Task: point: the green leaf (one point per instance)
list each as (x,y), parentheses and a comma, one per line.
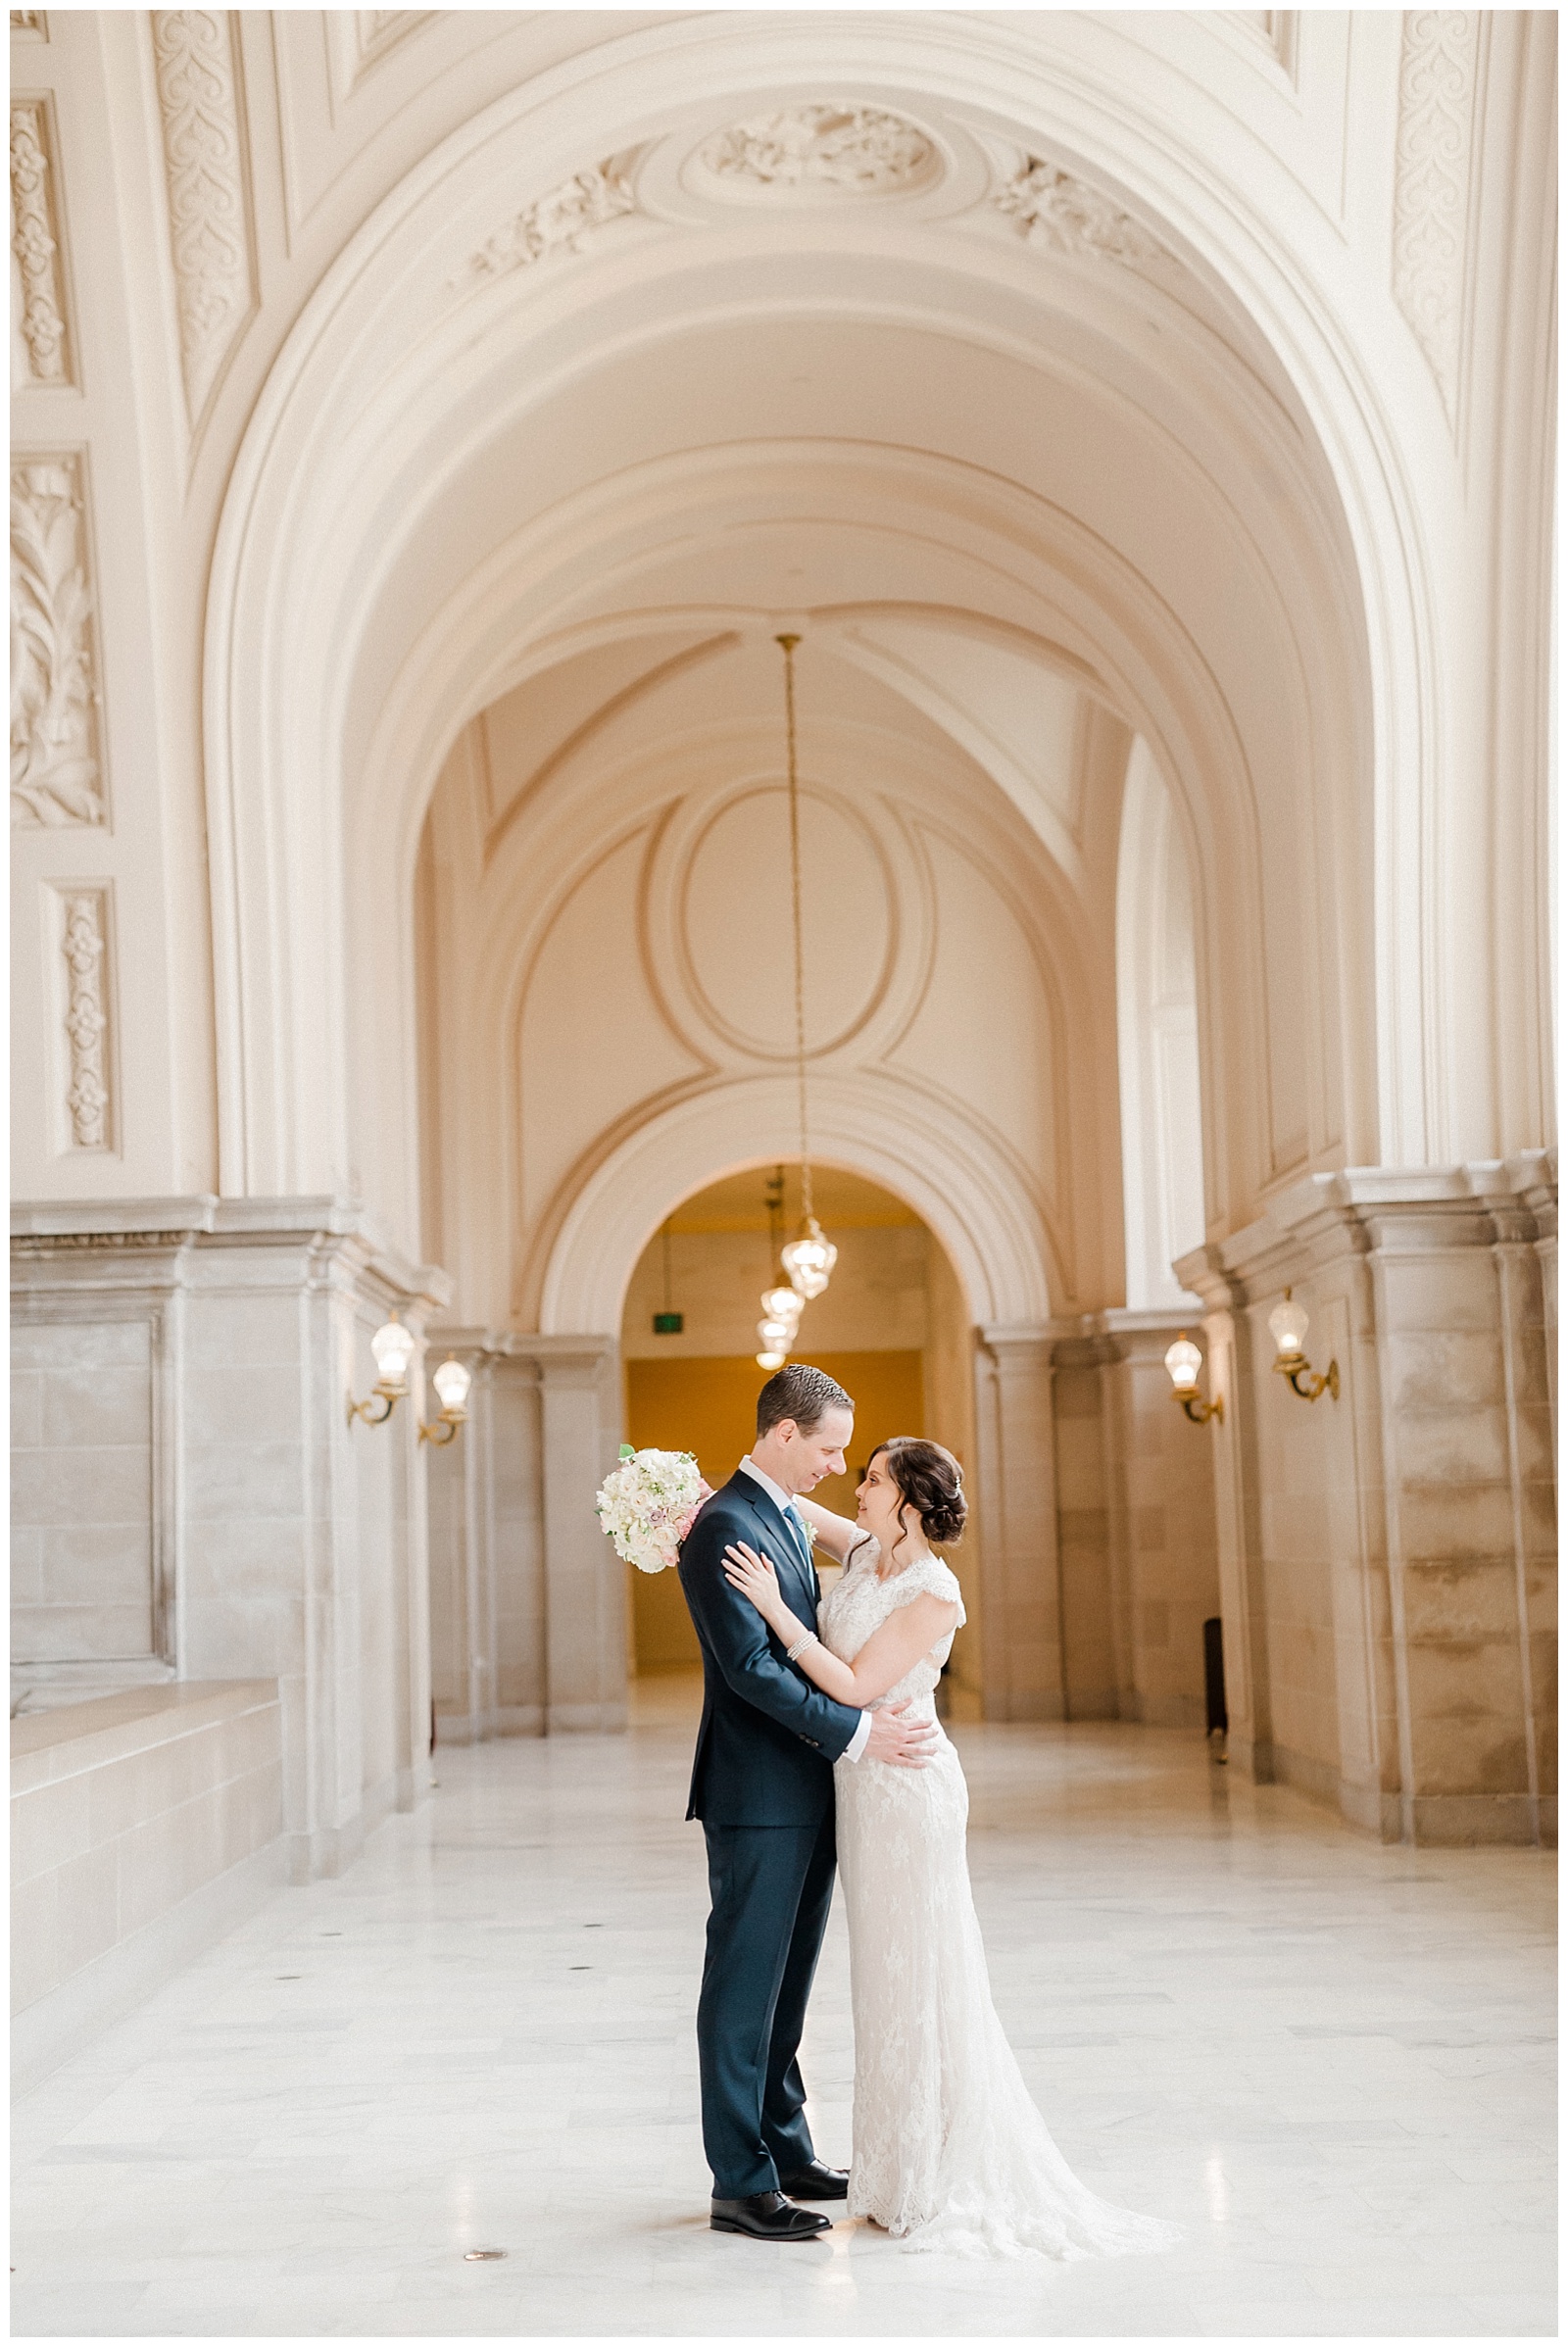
(627,1451)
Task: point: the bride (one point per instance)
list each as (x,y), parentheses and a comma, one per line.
(950,2151)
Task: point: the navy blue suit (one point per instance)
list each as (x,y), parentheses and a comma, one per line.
(762,1787)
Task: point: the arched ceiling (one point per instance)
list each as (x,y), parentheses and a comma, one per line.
(974,422)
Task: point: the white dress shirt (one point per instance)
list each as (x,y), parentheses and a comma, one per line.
(782,1502)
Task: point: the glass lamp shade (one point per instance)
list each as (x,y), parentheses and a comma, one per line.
(777,1334)
(393,1347)
(1183,1361)
(782,1303)
(770,1360)
(809,1260)
(1288,1325)
(451,1381)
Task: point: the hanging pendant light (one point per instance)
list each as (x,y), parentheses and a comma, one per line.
(810,1258)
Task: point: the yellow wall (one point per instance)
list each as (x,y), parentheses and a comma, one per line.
(708,1405)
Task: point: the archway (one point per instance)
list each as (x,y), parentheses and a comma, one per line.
(893,1328)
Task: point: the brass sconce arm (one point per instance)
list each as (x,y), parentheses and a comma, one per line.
(1201,1411)
(388,1396)
(1293,1367)
(442,1430)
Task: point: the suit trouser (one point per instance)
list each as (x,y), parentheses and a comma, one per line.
(771,1887)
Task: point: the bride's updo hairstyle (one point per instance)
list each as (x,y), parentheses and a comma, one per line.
(929,1479)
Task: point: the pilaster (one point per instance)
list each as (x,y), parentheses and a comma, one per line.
(1389,1557)
(1021,1571)
(532,1635)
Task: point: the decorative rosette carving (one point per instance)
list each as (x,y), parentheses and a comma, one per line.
(840,149)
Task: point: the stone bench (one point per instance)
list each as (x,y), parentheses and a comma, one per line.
(144,1826)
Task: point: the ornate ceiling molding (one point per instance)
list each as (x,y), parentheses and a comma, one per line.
(833,151)
(1438,61)
(36,242)
(56,765)
(1047,205)
(559,222)
(377,32)
(204,162)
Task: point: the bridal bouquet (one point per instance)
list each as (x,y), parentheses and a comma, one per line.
(648,1503)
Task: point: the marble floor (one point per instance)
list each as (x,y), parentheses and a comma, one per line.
(1332,2062)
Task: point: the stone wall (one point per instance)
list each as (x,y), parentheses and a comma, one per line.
(184,1367)
(1388,1557)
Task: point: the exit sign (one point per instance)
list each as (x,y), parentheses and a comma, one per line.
(669,1324)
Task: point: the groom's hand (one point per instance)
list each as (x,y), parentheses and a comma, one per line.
(906,1743)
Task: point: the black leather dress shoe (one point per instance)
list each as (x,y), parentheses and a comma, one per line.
(816,2182)
(767,2217)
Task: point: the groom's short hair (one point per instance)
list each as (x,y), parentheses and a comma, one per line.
(801,1393)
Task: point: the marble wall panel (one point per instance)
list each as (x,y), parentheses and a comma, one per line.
(82,1491)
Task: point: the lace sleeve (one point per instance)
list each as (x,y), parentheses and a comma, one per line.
(931,1578)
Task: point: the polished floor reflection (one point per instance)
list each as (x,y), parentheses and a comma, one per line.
(1332,2062)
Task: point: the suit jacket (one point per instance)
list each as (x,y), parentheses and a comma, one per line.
(768,1739)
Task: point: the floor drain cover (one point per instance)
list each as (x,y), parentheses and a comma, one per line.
(475,2257)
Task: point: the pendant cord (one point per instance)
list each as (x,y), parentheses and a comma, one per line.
(789,642)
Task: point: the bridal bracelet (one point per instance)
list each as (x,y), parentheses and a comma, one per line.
(795,1651)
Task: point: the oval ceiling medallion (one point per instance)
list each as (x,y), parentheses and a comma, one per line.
(734,922)
(819,154)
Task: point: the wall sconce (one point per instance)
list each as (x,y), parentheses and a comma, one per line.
(1183,1361)
(1288,1324)
(451,1381)
(393,1347)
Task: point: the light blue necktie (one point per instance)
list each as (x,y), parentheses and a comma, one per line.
(803,1547)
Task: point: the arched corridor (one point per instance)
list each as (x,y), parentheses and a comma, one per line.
(434,432)
(1330,2062)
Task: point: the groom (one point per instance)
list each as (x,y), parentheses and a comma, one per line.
(762,1785)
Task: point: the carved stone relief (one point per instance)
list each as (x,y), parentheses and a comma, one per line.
(36,242)
(841,150)
(559,222)
(84,945)
(1050,207)
(205,169)
(1432,182)
(56,764)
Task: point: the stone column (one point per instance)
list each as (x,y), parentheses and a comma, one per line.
(585,1582)
(536,1641)
(1020,1610)
(1164,1564)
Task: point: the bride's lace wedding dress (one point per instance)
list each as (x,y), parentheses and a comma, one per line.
(950,2151)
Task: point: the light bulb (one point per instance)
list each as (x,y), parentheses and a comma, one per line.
(1288,1325)
(782,1303)
(776,1334)
(451,1381)
(770,1360)
(393,1347)
(1183,1361)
